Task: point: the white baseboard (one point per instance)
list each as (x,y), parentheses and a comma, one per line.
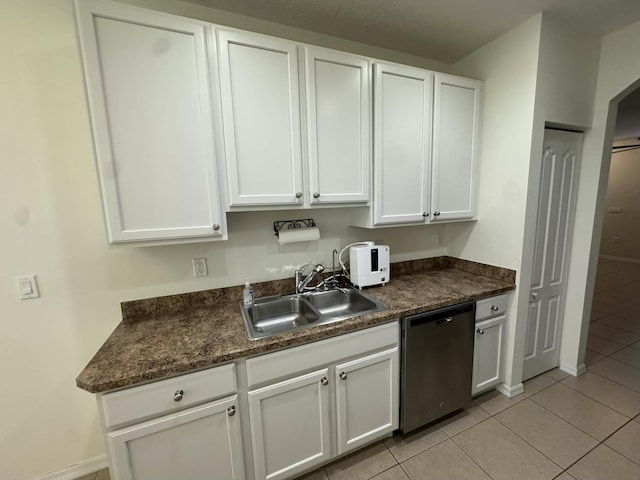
(573,371)
(620,259)
(510,392)
(78,470)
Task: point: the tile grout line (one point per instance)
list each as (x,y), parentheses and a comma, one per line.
(469,456)
(603,444)
(611,379)
(550,411)
(532,446)
(598,401)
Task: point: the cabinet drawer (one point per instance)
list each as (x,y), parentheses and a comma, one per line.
(307,357)
(490,307)
(147,401)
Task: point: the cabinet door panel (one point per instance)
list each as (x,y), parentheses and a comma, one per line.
(402,144)
(147,80)
(203,442)
(260,106)
(367,399)
(290,426)
(455,132)
(339,125)
(487,354)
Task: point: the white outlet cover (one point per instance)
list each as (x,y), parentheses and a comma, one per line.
(200,267)
(27,287)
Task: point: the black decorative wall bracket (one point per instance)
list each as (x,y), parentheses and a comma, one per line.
(292,224)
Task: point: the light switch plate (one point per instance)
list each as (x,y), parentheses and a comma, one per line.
(27,287)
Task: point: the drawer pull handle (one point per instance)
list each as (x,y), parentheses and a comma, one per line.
(231,411)
(343,376)
(324,381)
(494,308)
(178,395)
(480,331)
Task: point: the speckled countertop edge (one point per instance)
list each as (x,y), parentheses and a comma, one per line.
(160,343)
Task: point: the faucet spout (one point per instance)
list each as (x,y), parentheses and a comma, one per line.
(301,284)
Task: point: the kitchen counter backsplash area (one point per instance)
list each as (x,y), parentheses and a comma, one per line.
(167,336)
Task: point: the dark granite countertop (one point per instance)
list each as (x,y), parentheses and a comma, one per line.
(168,336)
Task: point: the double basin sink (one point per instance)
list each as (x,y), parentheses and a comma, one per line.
(282,314)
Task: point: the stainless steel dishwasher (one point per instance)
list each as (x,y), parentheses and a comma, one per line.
(436,364)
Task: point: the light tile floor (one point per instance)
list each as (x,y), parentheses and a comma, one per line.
(562,427)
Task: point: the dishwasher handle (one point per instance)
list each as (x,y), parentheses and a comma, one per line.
(444,321)
(441,317)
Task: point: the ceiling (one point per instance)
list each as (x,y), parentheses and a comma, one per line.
(444,30)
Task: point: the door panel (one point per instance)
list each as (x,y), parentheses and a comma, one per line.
(367,399)
(455,130)
(203,442)
(339,126)
(261,116)
(148,88)
(554,227)
(402,153)
(290,426)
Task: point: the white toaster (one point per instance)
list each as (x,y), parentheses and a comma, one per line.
(369,265)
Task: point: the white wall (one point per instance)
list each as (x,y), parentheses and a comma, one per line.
(618,75)
(623,191)
(567,73)
(540,73)
(508,67)
(51,225)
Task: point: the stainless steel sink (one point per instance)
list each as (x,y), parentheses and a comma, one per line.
(339,303)
(282,314)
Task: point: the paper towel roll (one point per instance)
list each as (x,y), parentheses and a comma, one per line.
(307,234)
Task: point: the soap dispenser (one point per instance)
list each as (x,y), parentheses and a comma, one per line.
(247,294)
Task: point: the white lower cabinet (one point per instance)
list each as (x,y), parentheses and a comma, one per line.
(306,405)
(351,399)
(488,370)
(290,425)
(366,399)
(202,442)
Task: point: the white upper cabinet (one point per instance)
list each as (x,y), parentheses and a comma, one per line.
(147,78)
(402,111)
(455,132)
(261,118)
(338,126)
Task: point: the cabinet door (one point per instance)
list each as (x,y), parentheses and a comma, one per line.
(261,117)
(203,442)
(148,89)
(367,399)
(339,126)
(487,354)
(290,427)
(402,151)
(456,115)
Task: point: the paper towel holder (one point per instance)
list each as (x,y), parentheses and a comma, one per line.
(292,224)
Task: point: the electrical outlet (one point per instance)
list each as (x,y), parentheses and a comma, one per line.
(616,239)
(200,267)
(27,287)
(440,238)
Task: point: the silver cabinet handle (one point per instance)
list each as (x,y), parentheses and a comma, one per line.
(316,195)
(299,195)
(178,395)
(436,214)
(343,376)
(494,308)
(324,381)
(216,227)
(231,411)
(480,331)
(425,214)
